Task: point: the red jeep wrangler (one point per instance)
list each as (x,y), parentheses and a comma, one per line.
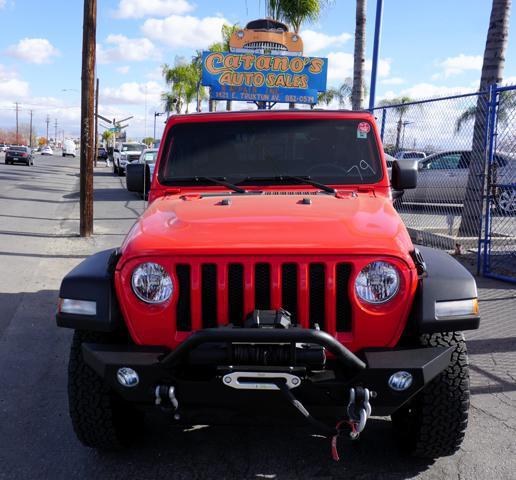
(271,279)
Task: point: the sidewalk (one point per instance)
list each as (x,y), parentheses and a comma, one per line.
(33,355)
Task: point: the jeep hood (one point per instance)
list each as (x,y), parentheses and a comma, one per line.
(355,223)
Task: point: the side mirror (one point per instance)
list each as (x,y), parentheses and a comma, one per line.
(137,178)
(404,174)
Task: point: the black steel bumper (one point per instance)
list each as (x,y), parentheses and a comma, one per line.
(202,394)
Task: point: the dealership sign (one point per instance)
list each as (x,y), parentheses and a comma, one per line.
(264,78)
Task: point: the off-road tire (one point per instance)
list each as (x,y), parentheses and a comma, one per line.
(101,419)
(434,422)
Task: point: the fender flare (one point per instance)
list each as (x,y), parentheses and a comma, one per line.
(93,280)
(444,279)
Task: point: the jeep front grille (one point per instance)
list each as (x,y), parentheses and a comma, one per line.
(218,293)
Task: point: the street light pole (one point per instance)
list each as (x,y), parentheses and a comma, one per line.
(156,114)
(376,50)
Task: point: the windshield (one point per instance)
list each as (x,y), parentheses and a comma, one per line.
(133,148)
(329,151)
(150,157)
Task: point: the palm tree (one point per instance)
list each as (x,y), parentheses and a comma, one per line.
(183,80)
(400,109)
(492,72)
(357,97)
(297,12)
(342,94)
(506,104)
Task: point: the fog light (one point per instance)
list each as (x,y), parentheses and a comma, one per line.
(400,381)
(127,377)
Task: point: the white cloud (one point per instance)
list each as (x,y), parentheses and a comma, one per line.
(156,8)
(185,31)
(33,50)
(393,81)
(123,70)
(316,41)
(340,67)
(3,3)
(127,50)
(132,93)
(11,87)
(155,74)
(423,91)
(457,65)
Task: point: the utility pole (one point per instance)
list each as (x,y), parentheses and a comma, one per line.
(87,116)
(30,130)
(17,110)
(55,131)
(96,121)
(47,121)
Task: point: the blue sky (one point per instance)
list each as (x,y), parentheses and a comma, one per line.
(429,48)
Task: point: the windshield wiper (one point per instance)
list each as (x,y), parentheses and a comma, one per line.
(222,182)
(299,179)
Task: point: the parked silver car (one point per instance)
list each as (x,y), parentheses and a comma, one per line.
(443,178)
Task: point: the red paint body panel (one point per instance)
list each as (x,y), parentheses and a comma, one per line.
(355,227)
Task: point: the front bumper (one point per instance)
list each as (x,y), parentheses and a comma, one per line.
(204,397)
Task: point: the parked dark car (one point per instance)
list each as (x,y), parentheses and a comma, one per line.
(19,155)
(102,154)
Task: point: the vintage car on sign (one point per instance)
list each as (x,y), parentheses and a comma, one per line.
(271,279)
(266,36)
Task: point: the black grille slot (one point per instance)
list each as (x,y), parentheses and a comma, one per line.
(236,294)
(262,286)
(289,289)
(183,312)
(209,295)
(343,304)
(317,310)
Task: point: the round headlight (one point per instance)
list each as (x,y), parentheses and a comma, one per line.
(240,34)
(151,283)
(378,282)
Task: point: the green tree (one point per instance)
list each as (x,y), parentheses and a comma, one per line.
(296,12)
(148,141)
(492,72)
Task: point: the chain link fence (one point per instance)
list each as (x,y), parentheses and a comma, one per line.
(448,137)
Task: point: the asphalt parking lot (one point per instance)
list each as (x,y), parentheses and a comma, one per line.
(38,244)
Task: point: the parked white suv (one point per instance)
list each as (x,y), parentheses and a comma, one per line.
(125,153)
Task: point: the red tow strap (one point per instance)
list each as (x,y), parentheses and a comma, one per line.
(334,449)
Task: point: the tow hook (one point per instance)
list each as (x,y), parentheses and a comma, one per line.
(166,397)
(359,409)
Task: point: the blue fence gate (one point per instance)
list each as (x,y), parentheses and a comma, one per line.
(499,248)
